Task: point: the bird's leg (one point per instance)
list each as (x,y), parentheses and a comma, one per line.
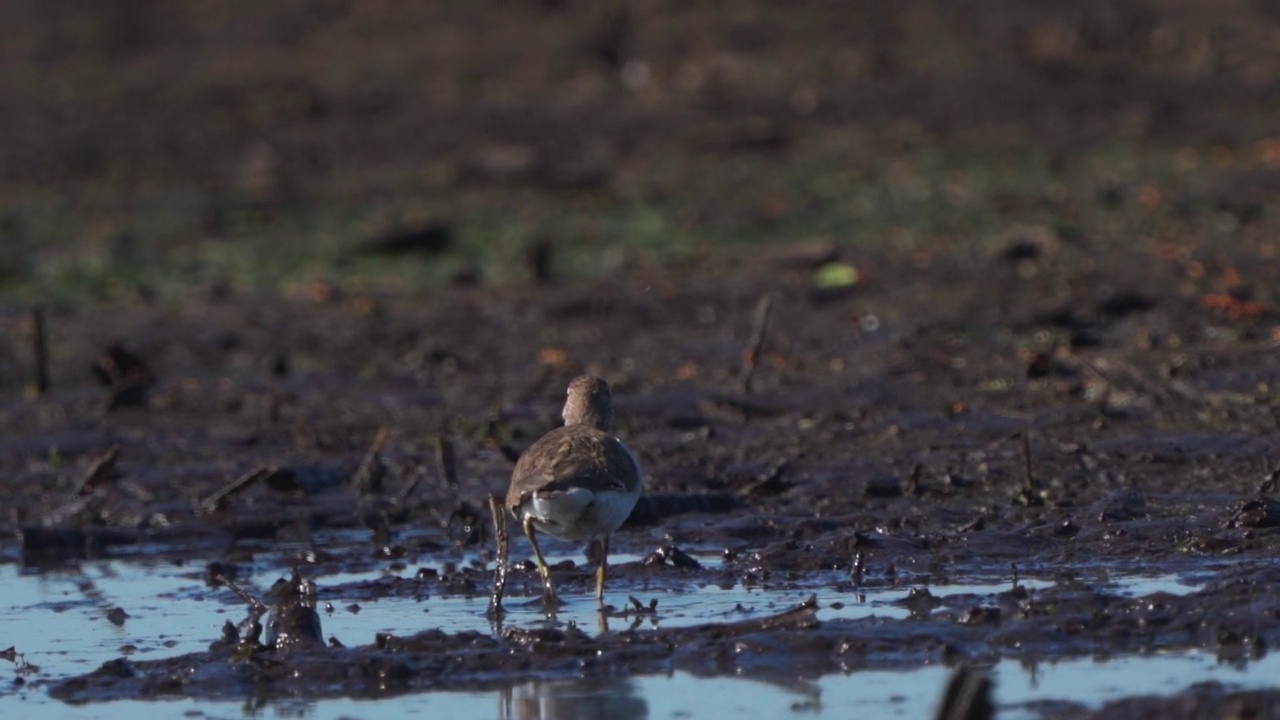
(548,591)
(602,571)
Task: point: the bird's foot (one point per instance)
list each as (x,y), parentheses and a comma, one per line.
(551,601)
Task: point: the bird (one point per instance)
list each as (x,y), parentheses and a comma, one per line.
(577,482)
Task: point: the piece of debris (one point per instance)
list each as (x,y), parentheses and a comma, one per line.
(218,500)
(126,375)
(1260,512)
(502,539)
(368,477)
(673,556)
(883,486)
(758,479)
(751,353)
(40,352)
(101,471)
(446,461)
(425,239)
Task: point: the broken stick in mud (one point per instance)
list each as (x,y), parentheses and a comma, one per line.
(103,469)
(218,500)
(40,351)
(500,572)
(368,477)
(751,354)
(446,460)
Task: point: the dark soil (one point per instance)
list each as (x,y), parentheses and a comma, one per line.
(957,412)
(862,456)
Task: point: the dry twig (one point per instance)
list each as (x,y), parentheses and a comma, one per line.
(446,460)
(102,470)
(218,500)
(41,352)
(368,477)
(503,540)
(751,354)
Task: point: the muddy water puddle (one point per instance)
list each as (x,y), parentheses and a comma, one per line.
(69,620)
(680,696)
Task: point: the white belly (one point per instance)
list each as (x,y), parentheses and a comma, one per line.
(580,514)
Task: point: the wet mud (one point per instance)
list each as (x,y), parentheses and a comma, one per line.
(1076,411)
(1065,620)
(926,457)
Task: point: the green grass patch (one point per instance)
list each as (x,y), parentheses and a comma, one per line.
(93,245)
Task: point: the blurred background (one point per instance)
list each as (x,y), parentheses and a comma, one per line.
(151,149)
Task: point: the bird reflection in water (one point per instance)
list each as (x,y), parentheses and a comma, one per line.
(589,699)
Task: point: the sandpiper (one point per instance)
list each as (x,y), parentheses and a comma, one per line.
(577,482)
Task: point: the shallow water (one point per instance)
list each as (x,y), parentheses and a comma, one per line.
(57,619)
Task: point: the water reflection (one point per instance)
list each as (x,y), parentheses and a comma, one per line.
(59,622)
(585,699)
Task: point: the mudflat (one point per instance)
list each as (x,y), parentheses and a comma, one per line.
(1069,378)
